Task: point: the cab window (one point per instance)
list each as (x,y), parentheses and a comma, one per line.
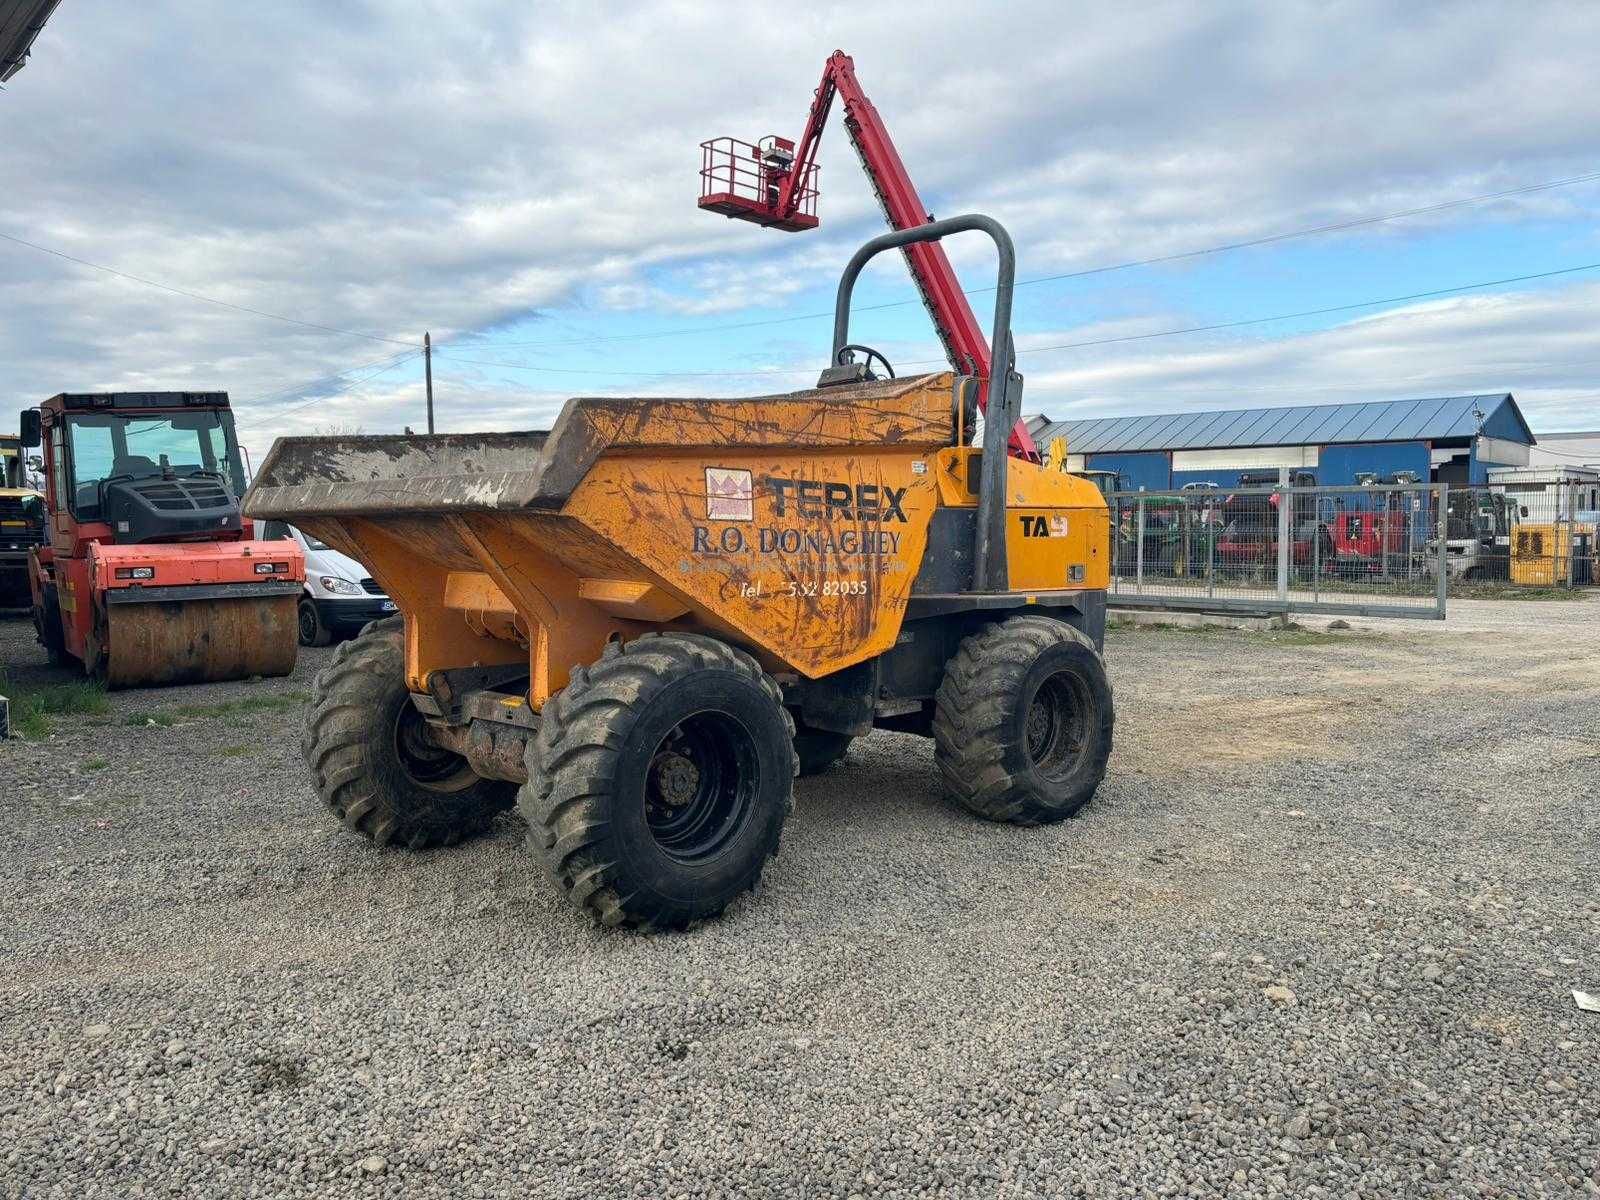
(108,446)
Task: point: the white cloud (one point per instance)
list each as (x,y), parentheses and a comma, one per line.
(414,165)
(1539,345)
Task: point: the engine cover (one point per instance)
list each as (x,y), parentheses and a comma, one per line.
(162,510)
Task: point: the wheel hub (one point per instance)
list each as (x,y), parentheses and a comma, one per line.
(1056,729)
(1040,719)
(676,778)
(428,764)
(700,785)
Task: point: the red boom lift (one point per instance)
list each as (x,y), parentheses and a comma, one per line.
(773,183)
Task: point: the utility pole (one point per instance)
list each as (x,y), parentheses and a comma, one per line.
(427,369)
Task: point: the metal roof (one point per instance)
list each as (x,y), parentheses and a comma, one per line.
(20,23)
(1303,425)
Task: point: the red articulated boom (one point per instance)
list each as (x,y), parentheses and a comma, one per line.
(774,184)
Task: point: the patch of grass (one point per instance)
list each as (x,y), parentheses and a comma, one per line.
(1475,590)
(1299,635)
(273,702)
(33,707)
(96,764)
(235,751)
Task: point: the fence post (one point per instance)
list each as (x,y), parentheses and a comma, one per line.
(1114,509)
(1316,548)
(1285,535)
(1139,552)
(1569,510)
(1211,555)
(1442,565)
(1389,499)
(1413,560)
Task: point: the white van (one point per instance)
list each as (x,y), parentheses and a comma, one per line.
(339,597)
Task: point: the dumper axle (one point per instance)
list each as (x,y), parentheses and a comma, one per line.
(495,747)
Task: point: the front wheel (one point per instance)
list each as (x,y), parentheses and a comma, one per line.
(659,780)
(374,764)
(1022,727)
(312,631)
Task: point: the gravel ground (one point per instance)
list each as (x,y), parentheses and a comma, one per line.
(1315,937)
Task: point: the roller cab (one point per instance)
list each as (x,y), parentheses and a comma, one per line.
(148,573)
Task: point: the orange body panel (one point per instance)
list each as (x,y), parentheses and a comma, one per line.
(186,563)
(82,581)
(816,564)
(794,526)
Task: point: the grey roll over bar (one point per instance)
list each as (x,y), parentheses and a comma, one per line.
(990,572)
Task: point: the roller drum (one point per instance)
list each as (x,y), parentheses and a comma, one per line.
(153,643)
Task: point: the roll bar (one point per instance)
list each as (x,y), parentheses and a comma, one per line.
(990,572)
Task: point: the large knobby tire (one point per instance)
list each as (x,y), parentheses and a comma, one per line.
(1022,729)
(366,746)
(659,781)
(818,749)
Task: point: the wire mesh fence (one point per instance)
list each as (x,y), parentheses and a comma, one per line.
(1374,549)
(1371,550)
(1516,535)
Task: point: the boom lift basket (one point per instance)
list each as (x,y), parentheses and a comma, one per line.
(736,180)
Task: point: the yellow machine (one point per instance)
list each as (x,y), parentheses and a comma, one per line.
(654,615)
(21,523)
(1540,553)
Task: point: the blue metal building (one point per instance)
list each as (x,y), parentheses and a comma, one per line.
(1452,439)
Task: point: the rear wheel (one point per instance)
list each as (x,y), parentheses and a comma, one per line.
(374,764)
(819,749)
(659,781)
(1022,729)
(311,629)
(97,648)
(47,625)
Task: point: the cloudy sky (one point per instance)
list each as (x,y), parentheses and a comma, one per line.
(520,179)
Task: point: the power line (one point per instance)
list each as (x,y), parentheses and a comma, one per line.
(1310,312)
(1579,456)
(1155,260)
(1334,227)
(483,362)
(1130,337)
(383,367)
(305,385)
(1088,271)
(177,291)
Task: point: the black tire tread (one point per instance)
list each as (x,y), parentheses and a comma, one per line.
(572,762)
(337,743)
(972,713)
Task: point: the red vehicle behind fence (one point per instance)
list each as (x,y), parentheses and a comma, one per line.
(1250,531)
